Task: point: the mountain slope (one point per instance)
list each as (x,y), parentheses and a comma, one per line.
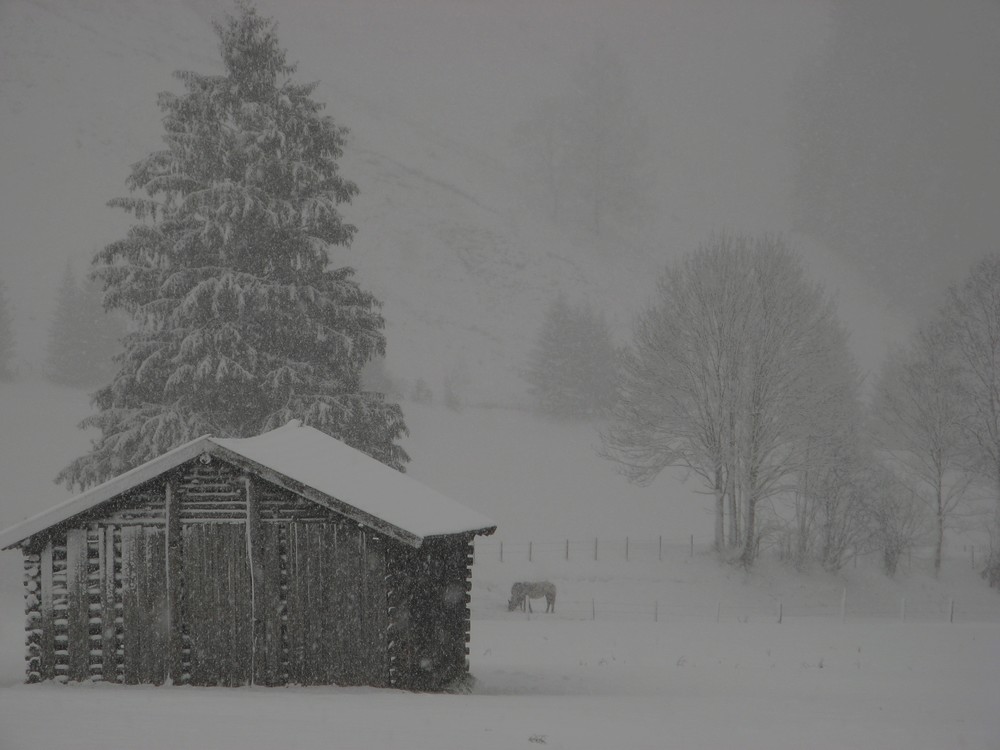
(446,239)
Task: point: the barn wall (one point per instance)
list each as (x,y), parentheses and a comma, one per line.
(429,609)
(74,607)
(163,583)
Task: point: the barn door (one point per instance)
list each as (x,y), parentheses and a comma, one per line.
(144,605)
(318,604)
(335,605)
(218,604)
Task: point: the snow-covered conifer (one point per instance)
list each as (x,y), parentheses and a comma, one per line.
(238,321)
(571,367)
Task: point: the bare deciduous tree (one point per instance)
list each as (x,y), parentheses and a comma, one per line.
(918,418)
(898,518)
(972,319)
(735,362)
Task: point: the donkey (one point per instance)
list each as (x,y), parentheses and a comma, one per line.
(521,594)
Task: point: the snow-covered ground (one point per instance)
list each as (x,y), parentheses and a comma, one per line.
(678,652)
(584,685)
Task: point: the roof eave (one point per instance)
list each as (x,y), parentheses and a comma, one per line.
(15,535)
(484,531)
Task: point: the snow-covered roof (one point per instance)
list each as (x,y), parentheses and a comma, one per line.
(308,462)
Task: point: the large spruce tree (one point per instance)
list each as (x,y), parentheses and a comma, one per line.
(239,322)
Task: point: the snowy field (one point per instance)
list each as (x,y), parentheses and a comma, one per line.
(584,685)
(678,652)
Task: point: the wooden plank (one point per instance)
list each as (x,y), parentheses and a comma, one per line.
(348,616)
(338,659)
(241,646)
(78,609)
(109,643)
(118,574)
(32,615)
(60,605)
(216,616)
(193,583)
(131,604)
(157,624)
(173,552)
(47,666)
(203,586)
(334,606)
(268,608)
(290,643)
(218,590)
(145,596)
(376,614)
(399,561)
(295,605)
(307,571)
(256,552)
(320,616)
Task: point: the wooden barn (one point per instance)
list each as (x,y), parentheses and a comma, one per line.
(287,558)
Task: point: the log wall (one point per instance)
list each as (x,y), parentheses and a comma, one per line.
(211,577)
(429,617)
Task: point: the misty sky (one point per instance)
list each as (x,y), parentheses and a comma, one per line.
(866,131)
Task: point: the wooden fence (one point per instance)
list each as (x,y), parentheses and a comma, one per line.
(842,610)
(627,548)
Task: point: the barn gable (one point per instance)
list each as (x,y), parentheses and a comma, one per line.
(307,462)
(228,565)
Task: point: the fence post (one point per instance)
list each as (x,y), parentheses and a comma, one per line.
(656,611)
(529,551)
(779,611)
(951,613)
(501,550)
(843,603)
(595,548)
(692,546)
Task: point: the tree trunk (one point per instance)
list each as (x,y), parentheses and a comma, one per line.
(749,543)
(939,541)
(720,506)
(734,512)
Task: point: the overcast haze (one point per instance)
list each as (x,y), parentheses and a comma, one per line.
(868,135)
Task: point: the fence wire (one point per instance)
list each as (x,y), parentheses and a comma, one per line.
(647,549)
(638,549)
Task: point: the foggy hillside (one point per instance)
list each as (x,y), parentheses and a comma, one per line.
(452,234)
